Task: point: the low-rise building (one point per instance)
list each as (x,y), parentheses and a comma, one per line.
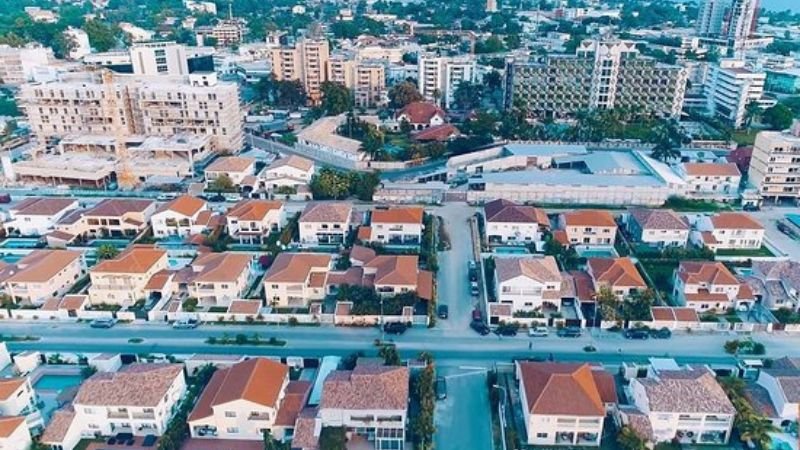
(122,280)
(289,172)
(508,222)
(41,274)
(394,226)
(14,433)
(711,181)
(325,223)
(588,227)
(388,275)
(139,399)
(685,405)
(183,216)
(658,227)
(727,231)
(252,221)
(777,282)
(617,274)
(36,216)
(780,382)
(706,285)
(235,168)
(564,404)
(17,397)
(421,115)
(216,279)
(114,217)
(529,283)
(294,279)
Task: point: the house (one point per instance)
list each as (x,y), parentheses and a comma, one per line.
(325,223)
(114,217)
(41,274)
(370,402)
(14,433)
(235,168)
(122,280)
(658,227)
(215,279)
(777,282)
(564,404)
(17,397)
(617,274)
(36,216)
(710,286)
(395,226)
(243,400)
(183,216)
(436,133)
(139,399)
(294,279)
(388,274)
(588,227)
(781,383)
(684,405)
(528,283)
(287,174)
(727,231)
(711,181)
(420,115)
(252,221)
(506,222)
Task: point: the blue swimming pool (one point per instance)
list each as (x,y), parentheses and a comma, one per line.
(19,243)
(53,382)
(118,243)
(794,218)
(511,250)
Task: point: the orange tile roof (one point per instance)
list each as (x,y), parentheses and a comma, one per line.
(615,272)
(542,269)
(258,380)
(59,425)
(9,425)
(590,218)
(220,267)
(706,272)
(420,112)
(42,206)
(711,170)
(425,285)
(732,220)
(395,269)
(10,385)
(253,209)
(367,387)
(295,267)
(293,402)
(158,280)
(244,307)
(118,207)
(185,205)
(294,161)
(662,313)
(502,210)
(142,385)
(230,164)
(398,215)
(319,212)
(41,265)
(565,389)
(364,233)
(135,259)
(686,315)
(73,302)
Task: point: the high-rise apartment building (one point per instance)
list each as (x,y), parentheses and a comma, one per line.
(366,79)
(440,76)
(601,75)
(711,17)
(733,21)
(730,87)
(306,61)
(19,64)
(159,58)
(775,165)
(196,104)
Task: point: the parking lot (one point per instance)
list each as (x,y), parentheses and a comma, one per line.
(463,419)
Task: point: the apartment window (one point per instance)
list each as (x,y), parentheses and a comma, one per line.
(541,435)
(230,413)
(232,430)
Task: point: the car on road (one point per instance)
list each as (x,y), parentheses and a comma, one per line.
(473,288)
(571,332)
(538,332)
(505,330)
(185,324)
(639,334)
(441,388)
(103,323)
(473,271)
(395,327)
(442,311)
(661,333)
(476,315)
(216,198)
(480,327)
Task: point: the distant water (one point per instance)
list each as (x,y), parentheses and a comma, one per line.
(781,5)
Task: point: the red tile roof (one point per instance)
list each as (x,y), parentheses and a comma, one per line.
(566,389)
(420,112)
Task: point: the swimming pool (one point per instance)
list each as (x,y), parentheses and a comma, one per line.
(605,252)
(20,243)
(118,243)
(53,382)
(794,218)
(11,259)
(511,250)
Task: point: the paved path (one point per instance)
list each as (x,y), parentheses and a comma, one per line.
(463,420)
(452,280)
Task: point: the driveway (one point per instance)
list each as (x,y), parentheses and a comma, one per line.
(463,419)
(769,217)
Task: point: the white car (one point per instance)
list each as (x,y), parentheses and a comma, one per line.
(538,332)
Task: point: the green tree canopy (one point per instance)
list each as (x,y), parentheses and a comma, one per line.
(404,93)
(778,117)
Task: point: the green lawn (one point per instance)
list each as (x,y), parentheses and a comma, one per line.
(660,272)
(763,251)
(745,137)
(690,205)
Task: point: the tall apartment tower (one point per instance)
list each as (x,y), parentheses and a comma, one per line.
(775,165)
(306,61)
(741,24)
(440,76)
(365,78)
(711,17)
(159,58)
(730,86)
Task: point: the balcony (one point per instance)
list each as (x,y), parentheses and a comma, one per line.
(118,415)
(143,415)
(258,416)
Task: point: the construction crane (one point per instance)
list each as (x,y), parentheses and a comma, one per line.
(125,178)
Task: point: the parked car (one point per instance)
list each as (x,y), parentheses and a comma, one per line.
(636,334)
(442,311)
(538,332)
(571,332)
(5,198)
(473,271)
(185,324)
(662,333)
(505,330)
(473,288)
(751,207)
(476,315)
(441,388)
(480,327)
(395,327)
(103,323)
(216,198)
(166,196)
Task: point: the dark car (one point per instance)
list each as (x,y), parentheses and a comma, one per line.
(751,207)
(218,198)
(505,331)
(395,327)
(441,388)
(636,334)
(480,327)
(443,311)
(5,198)
(476,315)
(662,333)
(571,332)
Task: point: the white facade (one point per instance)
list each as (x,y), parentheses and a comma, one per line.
(21,399)
(439,76)
(80,40)
(159,58)
(19,64)
(775,165)
(506,232)
(527,294)
(712,187)
(173,223)
(35,224)
(19,438)
(733,238)
(787,409)
(731,87)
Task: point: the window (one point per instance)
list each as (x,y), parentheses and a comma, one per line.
(230,413)
(541,435)
(232,430)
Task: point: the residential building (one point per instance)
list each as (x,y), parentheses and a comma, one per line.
(225,33)
(114,217)
(775,164)
(139,399)
(80,39)
(244,400)
(617,274)
(366,79)
(14,433)
(727,231)
(236,168)
(306,61)
(564,404)
(587,227)
(159,58)
(658,227)
(388,275)
(36,216)
(325,223)
(730,86)
(294,279)
(394,226)
(17,397)
(122,280)
(440,76)
(135,33)
(38,14)
(20,65)
(507,222)
(421,115)
(182,216)
(528,283)
(289,172)
(711,17)
(370,402)
(601,75)
(780,381)
(710,286)
(252,221)
(197,104)
(711,181)
(742,21)
(685,405)
(41,274)
(785,81)
(777,283)
(216,279)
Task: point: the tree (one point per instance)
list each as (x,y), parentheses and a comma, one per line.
(222,183)
(107,251)
(333,438)
(422,425)
(389,355)
(628,439)
(752,111)
(290,93)
(404,93)
(492,44)
(102,36)
(778,117)
(608,304)
(637,305)
(330,184)
(668,141)
(336,98)
(467,95)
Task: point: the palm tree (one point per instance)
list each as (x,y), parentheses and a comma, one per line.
(756,429)
(751,111)
(107,251)
(668,141)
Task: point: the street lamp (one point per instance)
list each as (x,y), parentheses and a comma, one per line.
(501,411)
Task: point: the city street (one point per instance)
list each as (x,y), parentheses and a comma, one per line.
(452,281)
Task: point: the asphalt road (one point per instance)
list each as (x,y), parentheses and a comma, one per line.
(452,281)
(463,419)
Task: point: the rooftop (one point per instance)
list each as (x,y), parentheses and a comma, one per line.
(659,219)
(231,164)
(411,215)
(566,389)
(185,205)
(509,212)
(590,218)
(296,267)
(320,212)
(40,206)
(254,210)
(615,272)
(367,387)
(541,269)
(733,220)
(688,391)
(135,259)
(39,266)
(140,385)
